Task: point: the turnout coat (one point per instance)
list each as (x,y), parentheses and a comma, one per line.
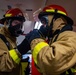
(7,65)
(56,57)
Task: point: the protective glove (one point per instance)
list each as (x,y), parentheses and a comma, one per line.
(44,30)
(24,47)
(32,35)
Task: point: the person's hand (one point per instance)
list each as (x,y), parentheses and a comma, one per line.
(32,35)
(44,30)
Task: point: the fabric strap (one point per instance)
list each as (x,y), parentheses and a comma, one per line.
(13,53)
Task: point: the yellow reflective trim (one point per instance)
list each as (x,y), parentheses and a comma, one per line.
(61,12)
(73,70)
(67,72)
(14,56)
(50,10)
(8,15)
(37,48)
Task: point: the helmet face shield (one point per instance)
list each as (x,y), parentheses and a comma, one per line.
(44,20)
(15,27)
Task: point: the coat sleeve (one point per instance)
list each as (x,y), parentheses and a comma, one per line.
(6,61)
(58,57)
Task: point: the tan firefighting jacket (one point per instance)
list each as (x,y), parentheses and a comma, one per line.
(57,57)
(8,65)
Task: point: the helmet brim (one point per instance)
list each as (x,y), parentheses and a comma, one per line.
(2,21)
(69,20)
(7,18)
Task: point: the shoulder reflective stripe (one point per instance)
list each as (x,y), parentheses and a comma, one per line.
(37,48)
(14,56)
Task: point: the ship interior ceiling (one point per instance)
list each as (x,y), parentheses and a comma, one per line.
(31,7)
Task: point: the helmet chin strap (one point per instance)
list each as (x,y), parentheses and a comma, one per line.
(50,31)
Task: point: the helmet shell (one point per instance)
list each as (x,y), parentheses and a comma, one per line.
(55,9)
(13,13)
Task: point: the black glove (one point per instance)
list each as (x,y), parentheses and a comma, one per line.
(44,30)
(24,47)
(32,35)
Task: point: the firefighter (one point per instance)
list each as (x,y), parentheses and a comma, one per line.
(54,44)
(10,53)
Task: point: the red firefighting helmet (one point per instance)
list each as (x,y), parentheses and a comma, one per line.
(55,9)
(13,13)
